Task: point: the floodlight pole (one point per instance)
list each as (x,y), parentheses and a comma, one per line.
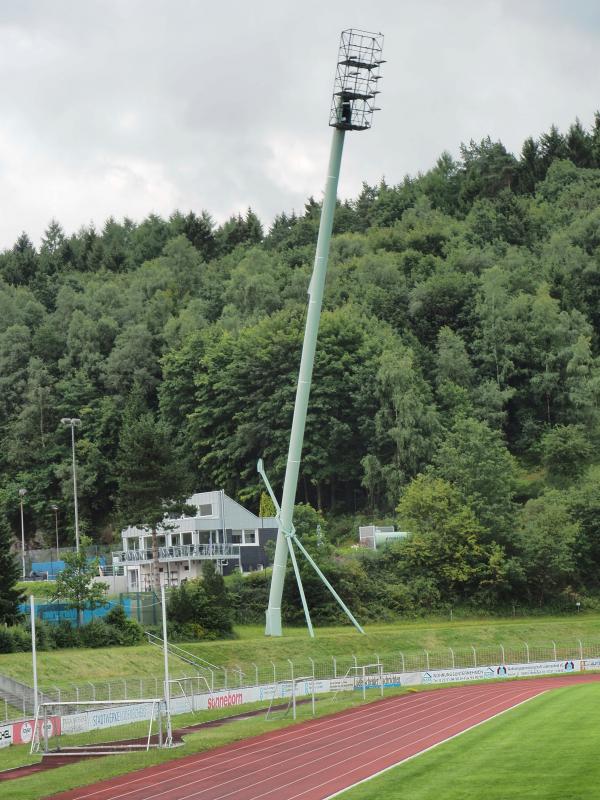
(316,288)
(353,104)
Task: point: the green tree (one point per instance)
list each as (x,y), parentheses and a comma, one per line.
(446,541)
(10,596)
(566,452)
(75,584)
(547,535)
(150,481)
(475,459)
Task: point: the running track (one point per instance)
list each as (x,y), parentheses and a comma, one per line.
(316,759)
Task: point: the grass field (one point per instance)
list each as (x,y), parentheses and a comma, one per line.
(546,749)
(65,667)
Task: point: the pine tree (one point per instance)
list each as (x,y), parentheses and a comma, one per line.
(150,481)
(10,596)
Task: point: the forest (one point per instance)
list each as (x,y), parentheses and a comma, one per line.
(456,388)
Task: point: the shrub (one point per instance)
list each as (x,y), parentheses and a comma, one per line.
(7,644)
(98,634)
(66,635)
(128,631)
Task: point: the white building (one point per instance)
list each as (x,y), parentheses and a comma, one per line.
(375,536)
(221,530)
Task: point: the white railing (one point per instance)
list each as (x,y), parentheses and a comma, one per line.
(178,553)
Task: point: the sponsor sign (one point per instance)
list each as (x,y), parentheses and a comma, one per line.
(120,715)
(22,732)
(5,735)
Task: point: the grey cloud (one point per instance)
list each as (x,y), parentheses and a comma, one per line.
(129,107)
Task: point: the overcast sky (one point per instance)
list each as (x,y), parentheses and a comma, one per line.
(126,107)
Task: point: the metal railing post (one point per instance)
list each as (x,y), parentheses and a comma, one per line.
(580,648)
(355,661)
(474,656)
(527,651)
(403,664)
(427,660)
(255,672)
(452,656)
(334,659)
(503,656)
(291,663)
(554,650)
(274,672)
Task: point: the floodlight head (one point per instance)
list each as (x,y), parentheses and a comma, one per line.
(357,78)
(22,492)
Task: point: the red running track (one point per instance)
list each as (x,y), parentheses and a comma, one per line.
(314,760)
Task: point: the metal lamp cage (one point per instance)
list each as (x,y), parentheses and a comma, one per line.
(357,79)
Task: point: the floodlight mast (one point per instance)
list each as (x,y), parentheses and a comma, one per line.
(353,103)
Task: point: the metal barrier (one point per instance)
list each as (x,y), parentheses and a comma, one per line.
(239,676)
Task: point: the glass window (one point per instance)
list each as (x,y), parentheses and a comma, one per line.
(249,537)
(175,538)
(161,541)
(205,510)
(236,537)
(187,538)
(133,543)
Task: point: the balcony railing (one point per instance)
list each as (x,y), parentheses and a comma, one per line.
(178,553)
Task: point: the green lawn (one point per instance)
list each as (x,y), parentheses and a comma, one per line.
(546,749)
(65,667)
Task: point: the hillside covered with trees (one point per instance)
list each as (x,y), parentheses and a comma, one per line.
(457,380)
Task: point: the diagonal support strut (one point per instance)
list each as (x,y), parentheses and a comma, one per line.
(292,540)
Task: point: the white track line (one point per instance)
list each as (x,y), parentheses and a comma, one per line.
(278,789)
(427,749)
(292,736)
(294,741)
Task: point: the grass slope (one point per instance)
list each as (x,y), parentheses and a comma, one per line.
(546,749)
(65,667)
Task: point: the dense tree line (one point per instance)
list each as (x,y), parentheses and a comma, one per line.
(457,361)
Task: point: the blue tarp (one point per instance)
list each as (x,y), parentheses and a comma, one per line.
(54,612)
(52,568)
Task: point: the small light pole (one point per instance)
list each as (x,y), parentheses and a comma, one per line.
(55,509)
(22,493)
(73,423)
(578,604)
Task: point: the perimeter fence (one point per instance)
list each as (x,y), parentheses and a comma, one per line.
(197,679)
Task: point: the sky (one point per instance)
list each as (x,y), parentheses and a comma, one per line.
(130,107)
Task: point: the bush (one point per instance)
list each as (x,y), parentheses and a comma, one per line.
(98,634)
(22,639)
(66,635)
(7,643)
(128,631)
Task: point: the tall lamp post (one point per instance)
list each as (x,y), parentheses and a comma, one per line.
(73,423)
(22,493)
(55,509)
(353,103)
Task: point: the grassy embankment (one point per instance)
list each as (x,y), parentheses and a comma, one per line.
(546,749)
(66,667)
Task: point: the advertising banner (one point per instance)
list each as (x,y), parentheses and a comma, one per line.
(22,732)
(5,735)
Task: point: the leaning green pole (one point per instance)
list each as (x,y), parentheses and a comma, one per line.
(315,302)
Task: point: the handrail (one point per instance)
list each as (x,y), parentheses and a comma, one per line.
(178,551)
(183,655)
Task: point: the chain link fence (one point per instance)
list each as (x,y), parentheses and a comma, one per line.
(237,676)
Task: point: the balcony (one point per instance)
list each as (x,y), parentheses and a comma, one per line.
(184,552)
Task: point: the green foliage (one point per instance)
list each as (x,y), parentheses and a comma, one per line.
(10,595)
(202,606)
(460,336)
(75,583)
